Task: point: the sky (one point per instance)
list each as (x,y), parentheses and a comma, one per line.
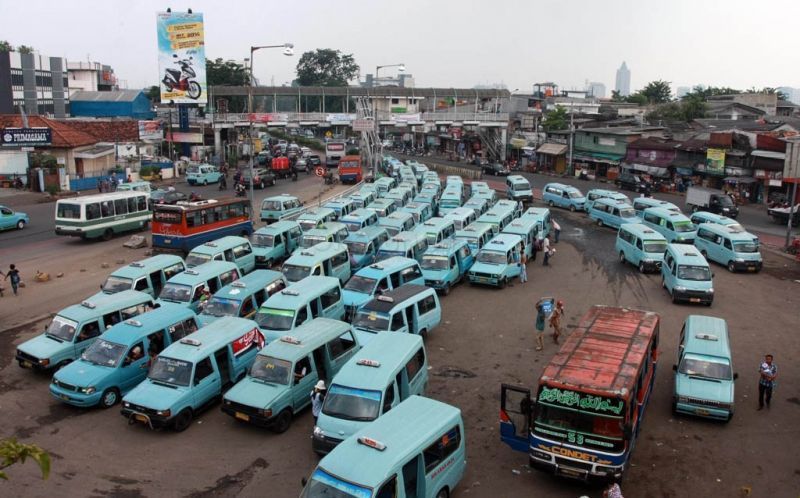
(444,43)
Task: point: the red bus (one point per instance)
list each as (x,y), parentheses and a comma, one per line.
(590,398)
(350,169)
(186,225)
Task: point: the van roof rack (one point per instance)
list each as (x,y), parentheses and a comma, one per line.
(135,323)
(385,299)
(707,337)
(368,363)
(88,304)
(136,264)
(191,272)
(289,339)
(371,443)
(290,292)
(190,342)
(238,283)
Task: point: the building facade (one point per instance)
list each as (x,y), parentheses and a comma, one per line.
(596,90)
(132,104)
(37,83)
(91,77)
(623,83)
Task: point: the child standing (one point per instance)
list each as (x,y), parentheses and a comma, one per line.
(13,273)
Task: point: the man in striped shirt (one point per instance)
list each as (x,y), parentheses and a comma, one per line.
(768,372)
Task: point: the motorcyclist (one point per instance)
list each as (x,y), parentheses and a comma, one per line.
(194,196)
(240,190)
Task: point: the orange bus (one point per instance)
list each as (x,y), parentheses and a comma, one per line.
(590,398)
(350,169)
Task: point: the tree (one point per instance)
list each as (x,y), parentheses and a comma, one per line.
(636,98)
(219,72)
(684,110)
(326,67)
(12,452)
(616,96)
(5,46)
(555,119)
(657,92)
(154,94)
(24,49)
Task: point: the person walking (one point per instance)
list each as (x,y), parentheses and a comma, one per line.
(317,397)
(556,231)
(13,274)
(543,308)
(555,320)
(546,250)
(613,491)
(523,270)
(768,372)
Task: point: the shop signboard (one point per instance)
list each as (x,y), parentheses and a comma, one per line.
(150,130)
(715,161)
(26,137)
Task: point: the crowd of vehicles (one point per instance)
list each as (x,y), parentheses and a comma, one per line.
(344,295)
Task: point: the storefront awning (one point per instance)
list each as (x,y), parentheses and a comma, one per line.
(599,157)
(652,170)
(518,143)
(552,149)
(685,171)
(740,179)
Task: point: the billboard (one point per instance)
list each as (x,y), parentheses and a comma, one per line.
(182,57)
(150,130)
(26,137)
(715,160)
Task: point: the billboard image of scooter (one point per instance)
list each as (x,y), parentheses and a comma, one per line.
(182,79)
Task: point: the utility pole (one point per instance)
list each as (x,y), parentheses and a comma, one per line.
(571,135)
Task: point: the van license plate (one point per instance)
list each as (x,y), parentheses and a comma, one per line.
(701,411)
(64,397)
(694,299)
(243,416)
(140,418)
(751,268)
(26,364)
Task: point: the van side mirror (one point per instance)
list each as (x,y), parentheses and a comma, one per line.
(735,375)
(303,481)
(674,368)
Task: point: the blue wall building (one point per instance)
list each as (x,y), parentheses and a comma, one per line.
(132,104)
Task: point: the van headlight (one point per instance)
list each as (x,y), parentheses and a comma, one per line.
(679,288)
(710,291)
(163,413)
(265,412)
(44,362)
(126,404)
(683,399)
(318,432)
(88,390)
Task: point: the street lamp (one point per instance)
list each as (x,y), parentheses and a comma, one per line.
(400,68)
(288,50)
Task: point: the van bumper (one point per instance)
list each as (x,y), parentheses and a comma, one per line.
(322,445)
(753,266)
(75,398)
(483,279)
(694,296)
(142,416)
(715,413)
(248,416)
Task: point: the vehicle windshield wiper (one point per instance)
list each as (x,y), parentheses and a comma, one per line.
(54,337)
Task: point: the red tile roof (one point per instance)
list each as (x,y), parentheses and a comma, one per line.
(107,130)
(64,135)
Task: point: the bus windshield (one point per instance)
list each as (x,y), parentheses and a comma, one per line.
(568,419)
(275,319)
(113,284)
(176,293)
(352,404)
(324,484)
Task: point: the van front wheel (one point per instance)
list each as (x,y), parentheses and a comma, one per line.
(572,208)
(550,203)
(183,420)
(109,398)
(443,493)
(731,267)
(622,257)
(283,422)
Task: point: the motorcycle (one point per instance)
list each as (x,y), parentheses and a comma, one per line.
(181,78)
(241,191)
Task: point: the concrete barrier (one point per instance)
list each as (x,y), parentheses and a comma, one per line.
(446,169)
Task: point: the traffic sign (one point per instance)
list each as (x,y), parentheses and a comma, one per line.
(328,134)
(319,171)
(363,125)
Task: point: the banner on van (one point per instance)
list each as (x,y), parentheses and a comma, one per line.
(245,342)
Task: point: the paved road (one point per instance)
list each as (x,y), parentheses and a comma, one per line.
(485,339)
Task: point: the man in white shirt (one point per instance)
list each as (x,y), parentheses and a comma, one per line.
(546,250)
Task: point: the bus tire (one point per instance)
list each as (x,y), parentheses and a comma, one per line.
(107,234)
(282,422)
(443,493)
(183,420)
(109,398)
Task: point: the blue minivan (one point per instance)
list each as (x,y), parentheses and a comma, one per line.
(117,361)
(446,263)
(242,297)
(563,196)
(495,264)
(378,278)
(191,374)
(686,276)
(363,245)
(612,213)
(732,248)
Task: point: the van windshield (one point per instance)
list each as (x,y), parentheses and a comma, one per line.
(574,194)
(655,246)
(221,306)
(352,404)
(104,353)
(627,213)
(263,240)
(364,285)
(311,240)
(371,321)
(356,248)
(61,328)
(707,369)
(275,319)
(270,369)
(307,225)
(492,258)
(352,226)
(324,484)
(683,226)
(170,371)
(691,272)
(113,284)
(195,259)
(435,263)
(388,254)
(750,247)
(176,293)
(295,273)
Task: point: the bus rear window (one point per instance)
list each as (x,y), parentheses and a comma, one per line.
(68,211)
(167,217)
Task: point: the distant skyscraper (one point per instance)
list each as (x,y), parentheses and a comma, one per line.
(623,84)
(596,90)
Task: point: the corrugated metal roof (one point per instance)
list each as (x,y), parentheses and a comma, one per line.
(113,96)
(552,149)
